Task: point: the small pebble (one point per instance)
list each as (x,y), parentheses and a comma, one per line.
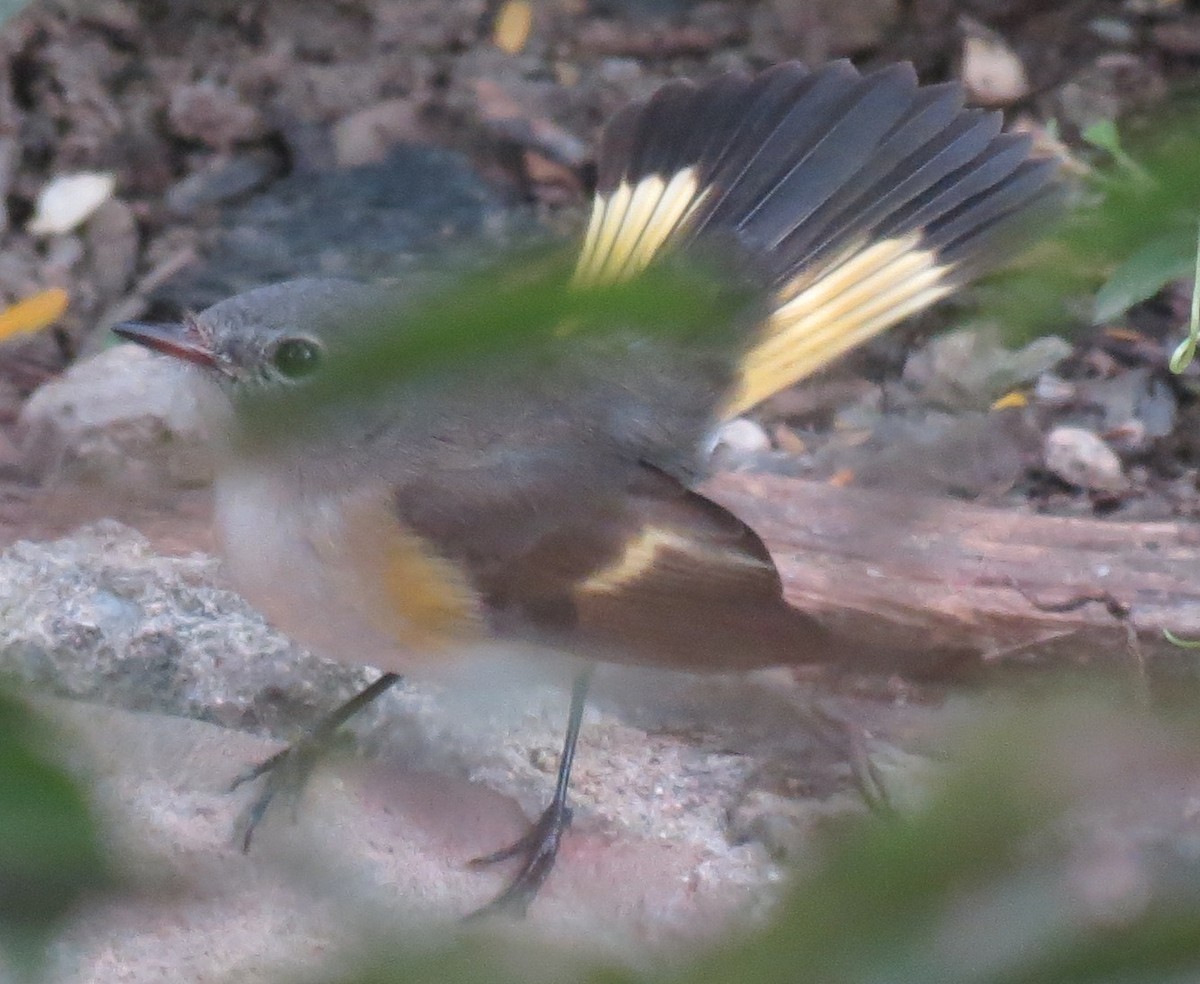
(1114,30)
(220,180)
(1053,391)
(1082,459)
(66,202)
(992,71)
(741,436)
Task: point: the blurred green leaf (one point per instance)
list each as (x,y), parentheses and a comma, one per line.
(518,310)
(1131,232)
(1182,643)
(976,888)
(1185,352)
(1145,273)
(49,845)
(1104,135)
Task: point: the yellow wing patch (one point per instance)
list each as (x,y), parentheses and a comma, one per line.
(643,552)
(630,226)
(823,314)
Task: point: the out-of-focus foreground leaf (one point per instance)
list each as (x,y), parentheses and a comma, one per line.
(980,887)
(1143,274)
(1132,232)
(50,854)
(515,309)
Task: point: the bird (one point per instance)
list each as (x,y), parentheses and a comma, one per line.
(551,503)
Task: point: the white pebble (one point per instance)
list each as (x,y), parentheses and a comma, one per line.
(1080,458)
(741,436)
(992,71)
(68,201)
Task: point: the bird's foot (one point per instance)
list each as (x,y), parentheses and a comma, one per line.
(538,850)
(287,772)
(284,775)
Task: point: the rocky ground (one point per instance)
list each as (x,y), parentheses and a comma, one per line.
(234,143)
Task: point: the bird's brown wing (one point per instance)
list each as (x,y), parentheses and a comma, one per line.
(644,572)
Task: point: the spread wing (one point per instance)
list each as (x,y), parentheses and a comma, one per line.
(860,199)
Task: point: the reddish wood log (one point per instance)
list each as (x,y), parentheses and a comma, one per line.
(951,578)
(953,582)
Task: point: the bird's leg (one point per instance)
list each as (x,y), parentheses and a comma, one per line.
(539,847)
(288,769)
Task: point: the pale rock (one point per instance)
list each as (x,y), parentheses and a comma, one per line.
(1080,458)
(366,137)
(971,368)
(68,201)
(215,116)
(741,436)
(991,70)
(125,418)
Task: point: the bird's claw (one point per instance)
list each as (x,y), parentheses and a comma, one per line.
(538,848)
(286,774)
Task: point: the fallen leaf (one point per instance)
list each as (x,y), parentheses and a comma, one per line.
(513,24)
(1013,398)
(68,201)
(33,314)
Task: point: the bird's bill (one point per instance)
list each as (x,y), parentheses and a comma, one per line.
(182,340)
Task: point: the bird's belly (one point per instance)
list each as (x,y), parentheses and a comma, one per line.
(338,574)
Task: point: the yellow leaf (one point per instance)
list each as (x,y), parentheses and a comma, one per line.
(513,23)
(1015,398)
(33,314)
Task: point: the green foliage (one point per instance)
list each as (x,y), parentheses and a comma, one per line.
(514,309)
(1182,357)
(1132,232)
(1138,278)
(49,846)
(977,888)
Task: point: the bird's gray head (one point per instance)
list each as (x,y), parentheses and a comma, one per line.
(271,335)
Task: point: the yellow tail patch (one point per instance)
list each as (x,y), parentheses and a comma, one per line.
(629,227)
(644,552)
(820,314)
(823,314)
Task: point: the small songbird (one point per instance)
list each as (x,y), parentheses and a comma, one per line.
(550,503)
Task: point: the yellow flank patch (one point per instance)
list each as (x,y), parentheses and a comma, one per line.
(407,590)
(825,314)
(643,551)
(633,224)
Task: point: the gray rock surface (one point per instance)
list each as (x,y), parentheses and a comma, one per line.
(375,848)
(664,764)
(120,419)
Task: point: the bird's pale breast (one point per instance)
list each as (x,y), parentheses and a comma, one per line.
(338,573)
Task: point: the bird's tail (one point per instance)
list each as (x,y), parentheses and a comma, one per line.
(861,200)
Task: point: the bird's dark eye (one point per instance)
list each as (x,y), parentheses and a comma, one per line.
(296,357)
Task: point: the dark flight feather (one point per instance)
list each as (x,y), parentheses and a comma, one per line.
(837,184)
